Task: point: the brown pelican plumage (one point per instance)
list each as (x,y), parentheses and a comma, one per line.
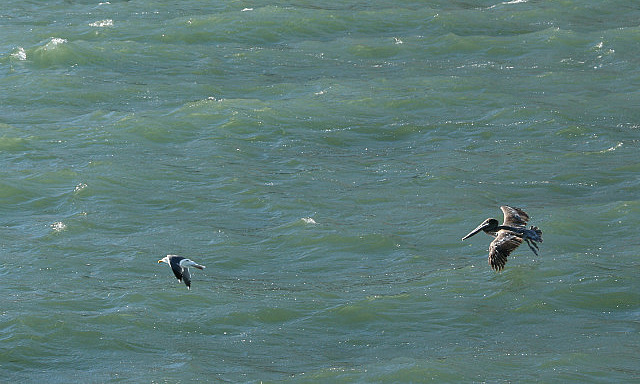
(508,236)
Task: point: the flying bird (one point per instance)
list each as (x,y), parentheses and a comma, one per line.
(508,236)
(180,267)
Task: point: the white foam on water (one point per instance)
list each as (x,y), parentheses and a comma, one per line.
(20,54)
(58,226)
(102,23)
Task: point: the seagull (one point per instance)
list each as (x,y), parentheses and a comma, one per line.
(508,236)
(180,267)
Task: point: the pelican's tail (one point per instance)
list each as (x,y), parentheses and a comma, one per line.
(538,234)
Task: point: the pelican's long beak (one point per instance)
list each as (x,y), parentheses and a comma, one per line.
(159,261)
(478,229)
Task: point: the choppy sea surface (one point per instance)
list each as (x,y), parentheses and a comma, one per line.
(323,160)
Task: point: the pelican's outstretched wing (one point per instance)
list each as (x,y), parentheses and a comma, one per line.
(501,247)
(514,217)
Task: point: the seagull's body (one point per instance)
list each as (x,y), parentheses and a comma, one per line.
(508,236)
(180,267)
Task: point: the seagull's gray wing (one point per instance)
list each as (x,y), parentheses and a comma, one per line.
(186,277)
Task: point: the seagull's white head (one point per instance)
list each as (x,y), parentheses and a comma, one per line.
(164,259)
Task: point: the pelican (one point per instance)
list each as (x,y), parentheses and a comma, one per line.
(180,267)
(508,236)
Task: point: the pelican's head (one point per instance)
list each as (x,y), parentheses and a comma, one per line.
(489,225)
(164,260)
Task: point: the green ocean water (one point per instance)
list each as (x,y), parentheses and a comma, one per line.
(323,160)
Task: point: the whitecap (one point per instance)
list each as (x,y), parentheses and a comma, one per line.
(80,187)
(55,41)
(508,3)
(308,220)
(611,149)
(21,54)
(58,226)
(102,23)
